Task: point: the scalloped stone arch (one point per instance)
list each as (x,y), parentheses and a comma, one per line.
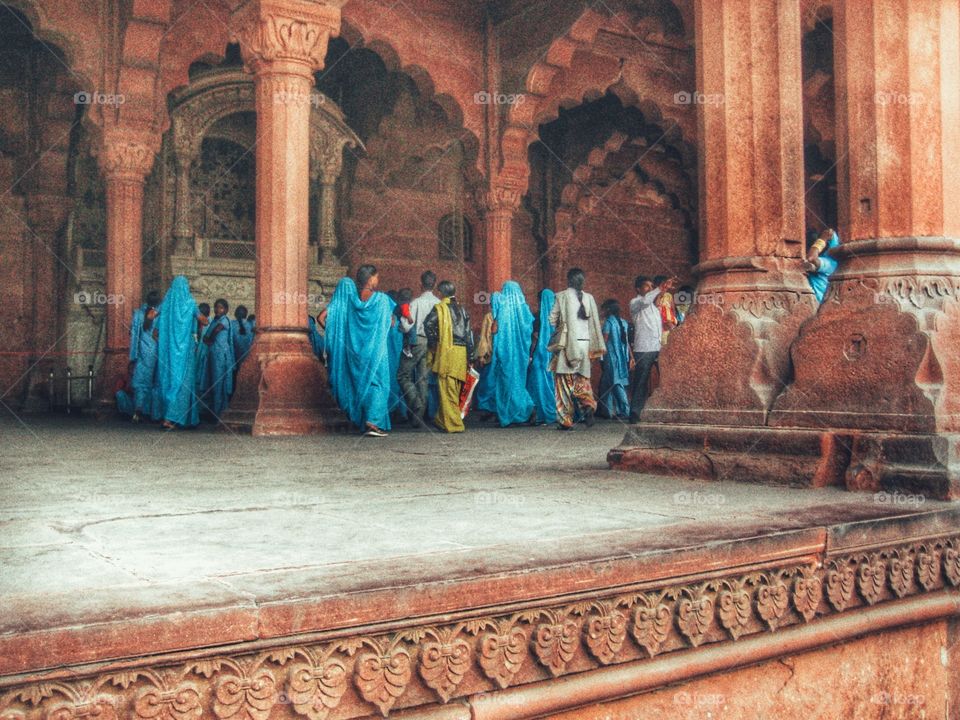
(80,63)
(557,81)
(441,86)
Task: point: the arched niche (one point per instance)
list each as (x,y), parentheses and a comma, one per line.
(219,105)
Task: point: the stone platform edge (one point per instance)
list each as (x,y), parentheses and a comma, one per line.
(494,659)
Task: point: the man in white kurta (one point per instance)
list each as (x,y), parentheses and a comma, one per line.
(577,343)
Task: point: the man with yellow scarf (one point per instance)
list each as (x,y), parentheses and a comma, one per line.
(450,340)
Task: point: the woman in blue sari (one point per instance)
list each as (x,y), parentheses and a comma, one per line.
(143,356)
(220,360)
(613,402)
(177,355)
(539,377)
(242,331)
(507,377)
(358,357)
(819,265)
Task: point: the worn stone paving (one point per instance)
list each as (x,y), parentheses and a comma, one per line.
(93,513)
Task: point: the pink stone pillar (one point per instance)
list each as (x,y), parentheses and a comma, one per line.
(880,361)
(501,206)
(752,291)
(124,162)
(281,387)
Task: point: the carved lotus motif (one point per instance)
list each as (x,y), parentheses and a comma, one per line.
(840,583)
(315,691)
(443,665)
(246,698)
(605,634)
(901,574)
(772,602)
(651,625)
(101,708)
(807,594)
(734,610)
(694,618)
(181,703)
(382,677)
(928,569)
(555,644)
(870,579)
(951,566)
(501,655)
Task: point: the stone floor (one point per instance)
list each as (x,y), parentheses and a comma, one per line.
(101,521)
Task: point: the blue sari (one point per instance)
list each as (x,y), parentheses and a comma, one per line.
(221,361)
(316,338)
(820,279)
(485,394)
(358,356)
(539,377)
(177,355)
(511,356)
(241,341)
(143,352)
(613,400)
(395,347)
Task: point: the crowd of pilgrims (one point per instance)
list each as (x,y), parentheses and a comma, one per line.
(392,357)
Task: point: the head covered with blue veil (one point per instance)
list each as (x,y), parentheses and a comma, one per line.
(358,355)
(820,278)
(511,352)
(539,378)
(176,330)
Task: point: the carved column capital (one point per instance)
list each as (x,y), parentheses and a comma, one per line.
(293,32)
(126,158)
(501,198)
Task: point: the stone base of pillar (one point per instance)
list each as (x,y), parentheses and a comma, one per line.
(918,465)
(731,358)
(282,389)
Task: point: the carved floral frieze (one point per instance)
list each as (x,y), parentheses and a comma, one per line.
(378,673)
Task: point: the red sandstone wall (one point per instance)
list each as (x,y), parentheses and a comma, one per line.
(901,675)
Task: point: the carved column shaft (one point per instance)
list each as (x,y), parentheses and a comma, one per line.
(125,164)
(182,228)
(281,388)
(502,203)
(882,353)
(326,222)
(754,294)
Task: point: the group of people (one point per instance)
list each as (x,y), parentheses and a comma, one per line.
(394,356)
(183,359)
(391,355)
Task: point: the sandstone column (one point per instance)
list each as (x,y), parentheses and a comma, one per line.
(725,366)
(753,294)
(501,205)
(125,160)
(881,362)
(281,387)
